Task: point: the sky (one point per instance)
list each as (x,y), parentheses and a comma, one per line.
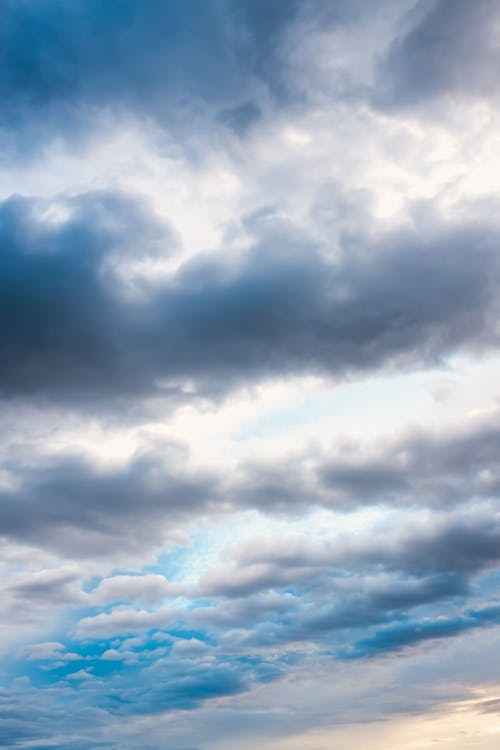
(250,356)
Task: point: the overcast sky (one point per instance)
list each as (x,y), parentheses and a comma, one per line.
(249,341)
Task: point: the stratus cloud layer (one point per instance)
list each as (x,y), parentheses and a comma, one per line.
(232,232)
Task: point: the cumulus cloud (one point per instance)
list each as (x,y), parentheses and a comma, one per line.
(438,468)
(124,620)
(80,510)
(71,506)
(296,591)
(421,469)
(462,542)
(405,299)
(151,588)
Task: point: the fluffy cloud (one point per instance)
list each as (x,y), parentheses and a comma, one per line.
(79,510)
(151,588)
(124,620)
(405,299)
(71,506)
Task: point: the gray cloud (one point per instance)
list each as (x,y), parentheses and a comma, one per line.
(112,660)
(67,504)
(420,469)
(450,49)
(69,331)
(293,592)
(78,510)
(32,601)
(51,586)
(396,637)
(463,543)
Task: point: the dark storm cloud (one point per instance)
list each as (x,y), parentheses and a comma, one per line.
(449,49)
(70,330)
(61,324)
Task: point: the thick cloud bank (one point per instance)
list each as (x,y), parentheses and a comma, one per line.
(71,329)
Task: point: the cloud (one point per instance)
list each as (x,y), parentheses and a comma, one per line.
(464,542)
(81,674)
(299,591)
(283,307)
(150,588)
(53,586)
(421,469)
(34,600)
(450,50)
(305,594)
(70,506)
(224,205)
(176,64)
(61,317)
(79,510)
(186,689)
(408,634)
(47,650)
(124,620)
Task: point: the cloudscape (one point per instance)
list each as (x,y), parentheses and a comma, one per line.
(249,340)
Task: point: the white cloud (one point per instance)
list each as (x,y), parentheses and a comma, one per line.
(151,588)
(124,620)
